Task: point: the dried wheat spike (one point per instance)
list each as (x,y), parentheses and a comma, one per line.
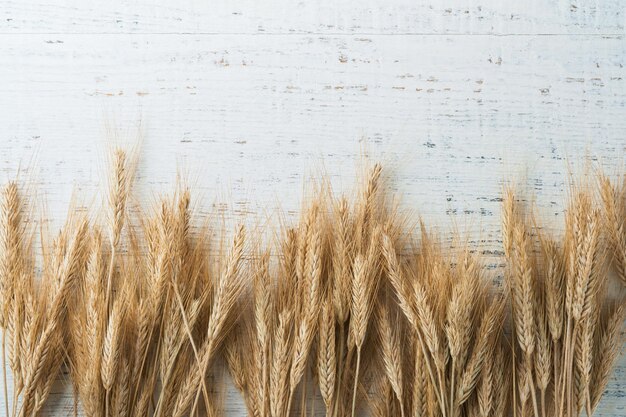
(326,354)
(392,359)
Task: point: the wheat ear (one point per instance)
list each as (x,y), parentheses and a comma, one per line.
(11,261)
(614,201)
(279,376)
(308,310)
(358,316)
(392,360)
(608,350)
(326,355)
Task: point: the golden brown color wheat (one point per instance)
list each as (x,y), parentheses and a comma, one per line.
(148,310)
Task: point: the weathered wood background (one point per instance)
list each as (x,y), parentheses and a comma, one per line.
(247,99)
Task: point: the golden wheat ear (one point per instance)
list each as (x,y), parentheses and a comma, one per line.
(326,354)
(392,359)
(609,347)
(614,220)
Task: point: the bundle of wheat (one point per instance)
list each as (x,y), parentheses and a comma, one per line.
(146,311)
(565,324)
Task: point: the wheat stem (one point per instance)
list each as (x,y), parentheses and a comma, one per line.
(356,378)
(442,390)
(453,374)
(4,373)
(531,381)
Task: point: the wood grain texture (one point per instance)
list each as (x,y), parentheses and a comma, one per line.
(249,99)
(321,17)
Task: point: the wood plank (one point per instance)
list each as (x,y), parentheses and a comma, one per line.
(468,110)
(319,17)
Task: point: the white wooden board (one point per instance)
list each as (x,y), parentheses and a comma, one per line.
(253,97)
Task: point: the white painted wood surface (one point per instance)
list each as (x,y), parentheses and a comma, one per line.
(252,97)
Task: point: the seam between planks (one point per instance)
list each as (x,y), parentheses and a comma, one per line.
(337,34)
